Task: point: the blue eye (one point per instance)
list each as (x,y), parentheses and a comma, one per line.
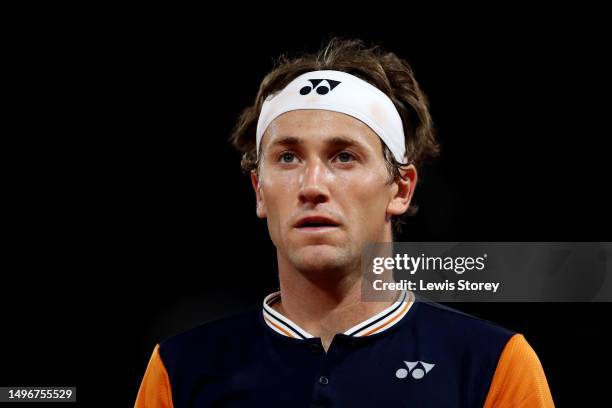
(345,157)
(287,157)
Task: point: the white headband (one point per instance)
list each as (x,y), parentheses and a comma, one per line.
(339,92)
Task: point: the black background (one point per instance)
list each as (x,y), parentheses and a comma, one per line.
(127,218)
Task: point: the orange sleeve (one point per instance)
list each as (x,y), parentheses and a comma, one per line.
(519,379)
(155,391)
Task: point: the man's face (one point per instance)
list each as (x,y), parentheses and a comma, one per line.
(323,188)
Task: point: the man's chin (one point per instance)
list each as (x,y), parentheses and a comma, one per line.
(320,258)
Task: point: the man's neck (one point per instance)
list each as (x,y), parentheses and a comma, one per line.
(325,308)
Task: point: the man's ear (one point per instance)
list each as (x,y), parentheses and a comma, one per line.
(403,189)
(261,207)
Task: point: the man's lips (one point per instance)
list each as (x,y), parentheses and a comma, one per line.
(316,223)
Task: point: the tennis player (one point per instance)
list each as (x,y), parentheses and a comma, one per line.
(333,144)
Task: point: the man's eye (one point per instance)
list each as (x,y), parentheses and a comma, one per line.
(287,157)
(345,157)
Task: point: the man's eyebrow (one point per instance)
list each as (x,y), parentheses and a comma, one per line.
(336,141)
(286,141)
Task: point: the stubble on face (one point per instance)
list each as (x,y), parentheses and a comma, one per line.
(330,165)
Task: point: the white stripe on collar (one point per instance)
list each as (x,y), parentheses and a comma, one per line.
(375,324)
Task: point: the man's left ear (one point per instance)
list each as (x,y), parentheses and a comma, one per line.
(402,190)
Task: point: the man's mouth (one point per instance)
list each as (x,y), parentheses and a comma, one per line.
(316,223)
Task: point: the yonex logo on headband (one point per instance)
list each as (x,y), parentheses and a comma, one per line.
(321,89)
(342,92)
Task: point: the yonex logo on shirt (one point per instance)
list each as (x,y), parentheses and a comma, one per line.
(417,369)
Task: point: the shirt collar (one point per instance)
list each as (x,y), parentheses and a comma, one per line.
(375,324)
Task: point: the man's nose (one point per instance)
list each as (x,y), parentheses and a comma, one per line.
(313,186)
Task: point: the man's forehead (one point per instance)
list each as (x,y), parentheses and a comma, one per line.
(300,127)
(315,118)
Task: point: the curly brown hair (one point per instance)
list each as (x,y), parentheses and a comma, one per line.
(385,70)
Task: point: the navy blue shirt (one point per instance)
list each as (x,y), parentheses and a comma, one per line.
(414,353)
